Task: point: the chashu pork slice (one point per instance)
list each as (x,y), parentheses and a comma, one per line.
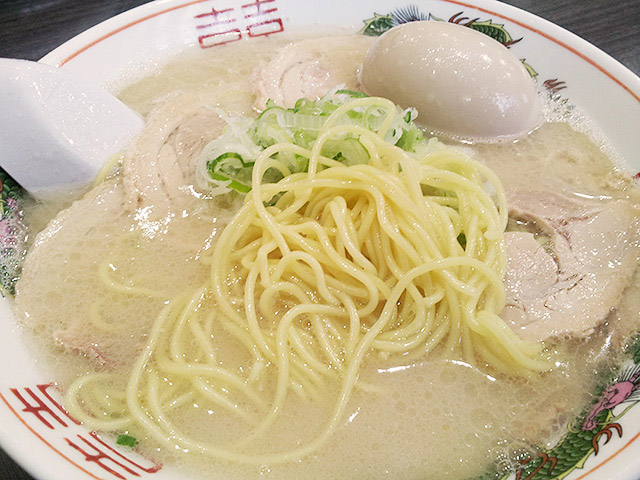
(308,69)
(98,275)
(59,273)
(159,168)
(569,281)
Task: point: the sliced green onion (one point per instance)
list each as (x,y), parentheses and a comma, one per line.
(352,93)
(301,125)
(231,167)
(126,440)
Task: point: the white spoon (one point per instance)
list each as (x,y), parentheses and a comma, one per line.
(55,130)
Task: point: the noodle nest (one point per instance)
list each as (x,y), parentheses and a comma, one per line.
(316,273)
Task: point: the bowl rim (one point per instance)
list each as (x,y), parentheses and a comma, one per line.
(564,38)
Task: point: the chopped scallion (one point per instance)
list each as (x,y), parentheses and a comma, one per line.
(126,440)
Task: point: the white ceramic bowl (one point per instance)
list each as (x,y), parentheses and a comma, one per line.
(34,429)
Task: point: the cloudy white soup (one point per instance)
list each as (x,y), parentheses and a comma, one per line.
(287,276)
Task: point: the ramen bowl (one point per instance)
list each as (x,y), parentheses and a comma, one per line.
(34,428)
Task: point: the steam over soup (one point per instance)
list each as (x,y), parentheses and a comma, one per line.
(273,287)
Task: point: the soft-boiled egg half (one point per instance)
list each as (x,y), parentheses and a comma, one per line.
(463,83)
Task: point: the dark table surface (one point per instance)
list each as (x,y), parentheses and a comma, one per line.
(31,28)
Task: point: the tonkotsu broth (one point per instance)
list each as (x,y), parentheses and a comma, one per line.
(431,419)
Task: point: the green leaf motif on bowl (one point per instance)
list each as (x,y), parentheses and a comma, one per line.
(12,233)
